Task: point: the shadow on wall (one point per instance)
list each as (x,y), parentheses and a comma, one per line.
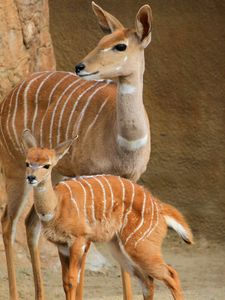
(183,92)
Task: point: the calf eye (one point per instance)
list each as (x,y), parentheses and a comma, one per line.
(120,47)
(46,166)
(27,165)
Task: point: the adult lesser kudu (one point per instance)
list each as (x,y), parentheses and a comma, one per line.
(109,117)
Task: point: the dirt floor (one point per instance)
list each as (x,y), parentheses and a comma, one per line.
(201,270)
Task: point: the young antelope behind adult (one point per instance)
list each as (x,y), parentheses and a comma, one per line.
(102,208)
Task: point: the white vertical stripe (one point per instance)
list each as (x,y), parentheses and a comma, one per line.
(49,102)
(95,119)
(85,198)
(142,218)
(81,116)
(71,196)
(92,199)
(8,118)
(157,219)
(7,128)
(54,112)
(36,98)
(111,193)
(130,208)
(150,226)
(25,96)
(14,119)
(64,106)
(123,197)
(104,196)
(74,108)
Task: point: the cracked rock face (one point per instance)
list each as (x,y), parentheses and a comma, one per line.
(25,42)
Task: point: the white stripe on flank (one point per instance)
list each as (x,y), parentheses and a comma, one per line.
(7,123)
(92,199)
(130,208)
(149,230)
(36,98)
(132,145)
(25,93)
(157,219)
(49,103)
(81,116)
(75,105)
(54,112)
(142,218)
(95,119)
(14,119)
(104,196)
(123,197)
(71,196)
(64,106)
(111,194)
(85,199)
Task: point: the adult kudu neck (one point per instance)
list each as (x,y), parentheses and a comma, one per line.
(132,121)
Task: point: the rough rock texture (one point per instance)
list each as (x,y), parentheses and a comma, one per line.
(25,42)
(183,92)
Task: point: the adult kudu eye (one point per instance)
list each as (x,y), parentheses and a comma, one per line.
(120,47)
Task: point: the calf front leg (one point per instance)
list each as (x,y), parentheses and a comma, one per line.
(33,230)
(80,286)
(71,267)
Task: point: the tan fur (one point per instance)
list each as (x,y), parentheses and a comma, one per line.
(119,212)
(113,127)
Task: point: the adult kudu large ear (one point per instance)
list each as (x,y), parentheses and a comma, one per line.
(64,147)
(144,25)
(107,22)
(28,140)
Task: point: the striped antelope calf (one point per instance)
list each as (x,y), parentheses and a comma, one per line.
(103,208)
(110,118)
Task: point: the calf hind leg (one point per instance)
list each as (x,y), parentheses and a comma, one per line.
(158,269)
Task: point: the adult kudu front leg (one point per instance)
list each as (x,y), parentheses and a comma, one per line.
(17,194)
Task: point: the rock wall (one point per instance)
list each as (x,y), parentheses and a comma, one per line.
(183,92)
(25,42)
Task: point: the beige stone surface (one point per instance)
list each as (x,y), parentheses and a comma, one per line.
(25,42)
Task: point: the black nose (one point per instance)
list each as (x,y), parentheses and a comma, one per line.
(31,178)
(79,68)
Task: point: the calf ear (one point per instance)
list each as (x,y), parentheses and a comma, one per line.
(28,140)
(107,22)
(144,25)
(64,147)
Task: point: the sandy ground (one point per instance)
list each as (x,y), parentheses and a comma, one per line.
(201,268)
